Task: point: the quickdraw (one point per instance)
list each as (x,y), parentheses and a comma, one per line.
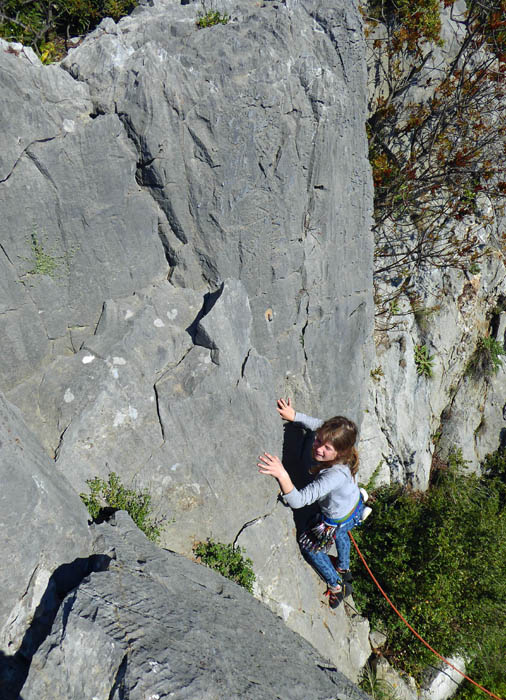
(319,538)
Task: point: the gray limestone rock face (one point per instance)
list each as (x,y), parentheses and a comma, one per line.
(75,227)
(288,585)
(476,417)
(250,139)
(156,625)
(410,413)
(194,242)
(44,527)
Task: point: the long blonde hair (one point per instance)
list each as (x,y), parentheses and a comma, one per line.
(341,433)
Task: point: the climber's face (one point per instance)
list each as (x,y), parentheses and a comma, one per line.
(323,451)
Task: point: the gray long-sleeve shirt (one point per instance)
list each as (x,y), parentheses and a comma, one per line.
(334,488)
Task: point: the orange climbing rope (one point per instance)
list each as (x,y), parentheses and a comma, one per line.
(411,628)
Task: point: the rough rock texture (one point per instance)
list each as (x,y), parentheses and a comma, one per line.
(443,681)
(194,241)
(156,625)
(75,230)
(409,413)
(44,531)
(401,687)
(251,141)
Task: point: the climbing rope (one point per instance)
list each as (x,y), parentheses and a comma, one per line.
(413,630)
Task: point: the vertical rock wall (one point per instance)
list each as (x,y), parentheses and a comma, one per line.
(185,236)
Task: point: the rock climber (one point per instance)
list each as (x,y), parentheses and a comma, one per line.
(334,487)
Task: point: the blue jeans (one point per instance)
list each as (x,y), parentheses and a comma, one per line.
(320,561)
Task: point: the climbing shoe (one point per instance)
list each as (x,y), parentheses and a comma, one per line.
(335,596)
(365,495)
(345,574)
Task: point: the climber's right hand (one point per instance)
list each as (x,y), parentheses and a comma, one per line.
(285,409)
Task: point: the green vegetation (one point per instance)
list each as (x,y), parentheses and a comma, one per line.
(227,560)
(46,25)
(441,558)
(432,160)
(486,359)
(109,496)
(377,688)
(44,261)
(373,479)
(209,18)
(423,361)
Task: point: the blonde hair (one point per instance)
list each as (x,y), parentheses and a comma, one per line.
(341,433)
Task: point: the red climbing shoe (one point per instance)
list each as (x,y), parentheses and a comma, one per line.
(335,596)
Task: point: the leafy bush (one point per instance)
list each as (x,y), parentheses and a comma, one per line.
(441,558)
(109,496)
(210,19)
(226,560)
(486,359)
(423,361)
(435,159)
(45,25)
(487,666)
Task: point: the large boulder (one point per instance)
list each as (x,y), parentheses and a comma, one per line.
(45,536)
(158,625)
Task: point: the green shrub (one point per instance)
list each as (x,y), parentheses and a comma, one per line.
(210,19)
(487,666)
(441,558)
(486,359)
(226,560)
(110,496)
(423,361)
(45,25)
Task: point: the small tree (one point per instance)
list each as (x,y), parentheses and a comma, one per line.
(437,158)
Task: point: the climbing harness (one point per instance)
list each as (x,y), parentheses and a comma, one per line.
(413,630)
(319,538)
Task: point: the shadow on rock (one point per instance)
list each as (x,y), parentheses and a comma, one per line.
(297,445)
(14,669)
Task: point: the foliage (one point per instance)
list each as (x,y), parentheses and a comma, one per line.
(210,18)
(371,484)
(423,361)
(45,261)
(111,495)
(377,688)
(377,373)
(488,664)
(226,560)
(486,358)
(437,160)
(441,558)
(46,25)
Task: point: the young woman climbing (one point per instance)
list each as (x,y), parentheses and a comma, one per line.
(334,487)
